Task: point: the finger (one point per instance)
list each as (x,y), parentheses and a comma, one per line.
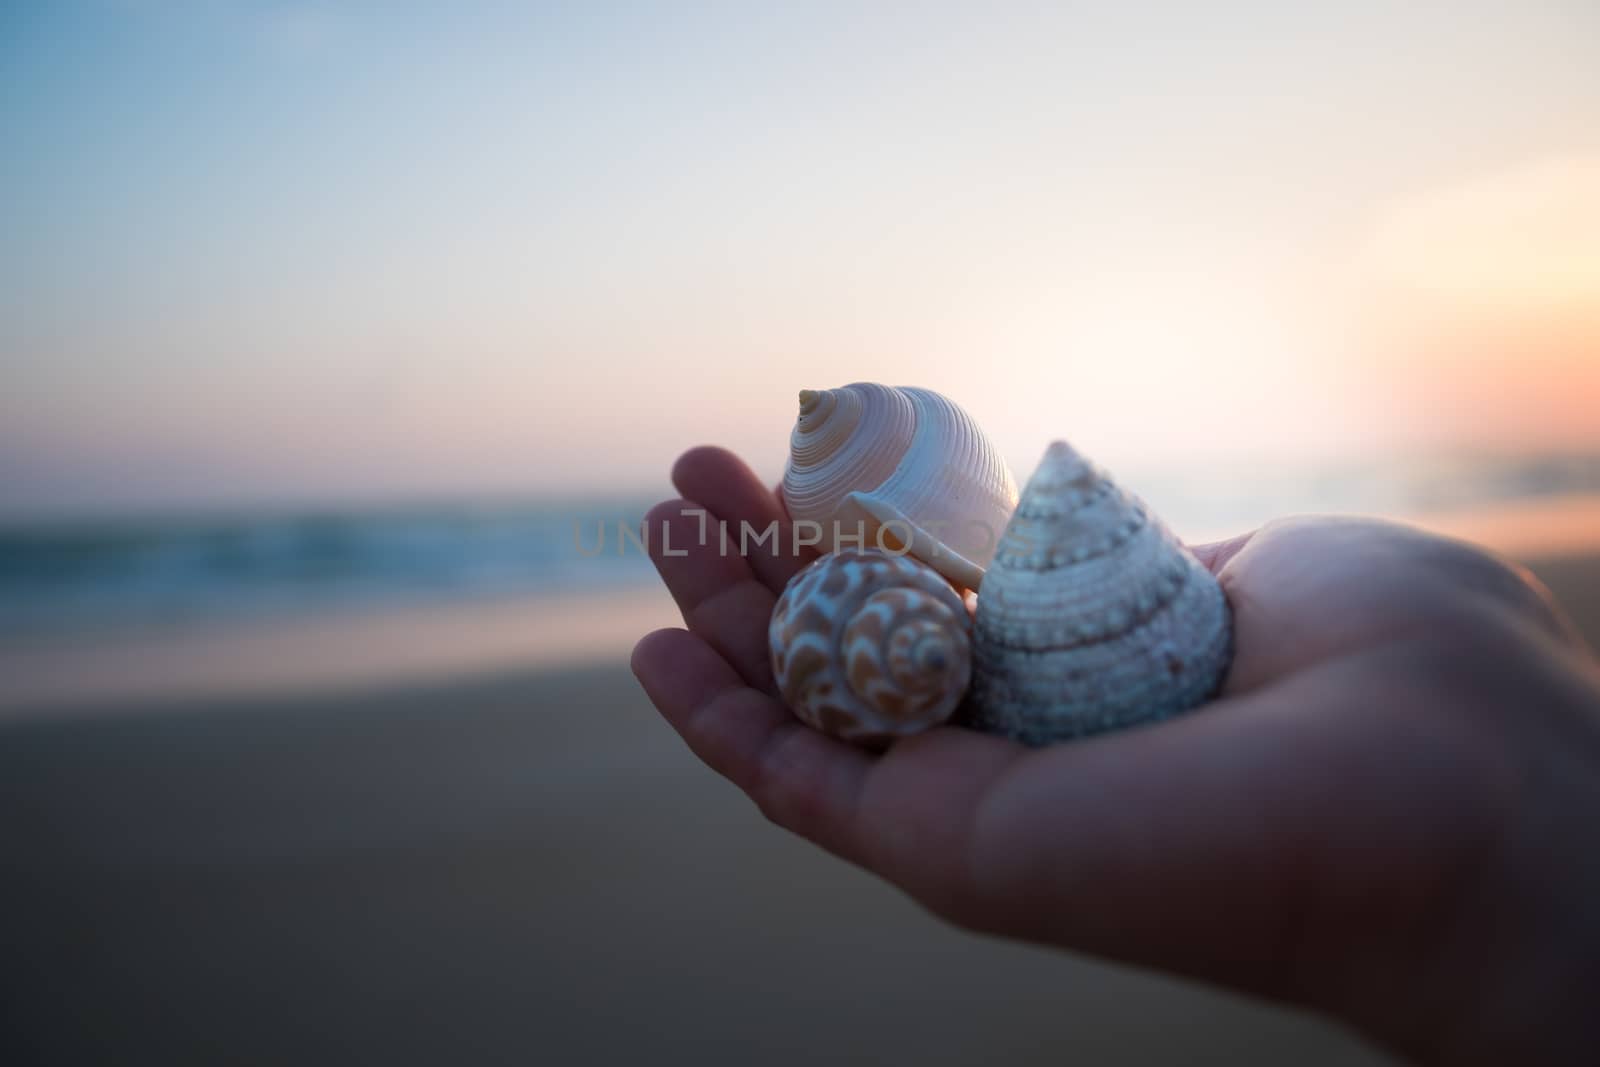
(718,595)
(801,779)
(906,816)
(731,491)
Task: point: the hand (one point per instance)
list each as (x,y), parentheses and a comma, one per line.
(1391,813)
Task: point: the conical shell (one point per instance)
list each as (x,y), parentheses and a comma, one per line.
(869,646)
(1092,616)
(899,468)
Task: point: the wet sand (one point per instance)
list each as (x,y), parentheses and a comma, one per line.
(337,653)
(520,867)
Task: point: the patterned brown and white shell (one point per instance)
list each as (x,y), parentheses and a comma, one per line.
(869,646)
(1092,616)
(909,465)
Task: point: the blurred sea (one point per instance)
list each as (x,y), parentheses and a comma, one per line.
(185,570)
(188,571)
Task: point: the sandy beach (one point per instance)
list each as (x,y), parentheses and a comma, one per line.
(512,867)
(524,869)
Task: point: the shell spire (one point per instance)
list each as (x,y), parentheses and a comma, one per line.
(869,646)
(900,469)
(1092,616)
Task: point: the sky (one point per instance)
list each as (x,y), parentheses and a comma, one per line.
(270,252)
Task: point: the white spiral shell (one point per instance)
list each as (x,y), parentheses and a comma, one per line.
(1093,616)
(869,646)
(904,465)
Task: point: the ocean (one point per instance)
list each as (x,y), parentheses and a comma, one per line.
(181,571)
(190,571)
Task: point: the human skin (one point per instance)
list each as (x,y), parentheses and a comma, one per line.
(1390,814)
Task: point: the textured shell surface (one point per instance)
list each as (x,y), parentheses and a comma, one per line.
(868,646)
(904,464)
(1092,615)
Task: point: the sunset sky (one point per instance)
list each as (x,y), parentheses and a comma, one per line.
(275,252)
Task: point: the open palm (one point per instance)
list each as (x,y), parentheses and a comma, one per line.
(1337,829)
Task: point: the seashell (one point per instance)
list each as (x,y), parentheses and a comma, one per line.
(868,646)
(902,469)
(1093,616)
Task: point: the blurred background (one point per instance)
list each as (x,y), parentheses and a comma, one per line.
(331,335)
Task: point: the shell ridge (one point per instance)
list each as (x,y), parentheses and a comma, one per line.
(1093,616)
(843,637)
(913,453)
